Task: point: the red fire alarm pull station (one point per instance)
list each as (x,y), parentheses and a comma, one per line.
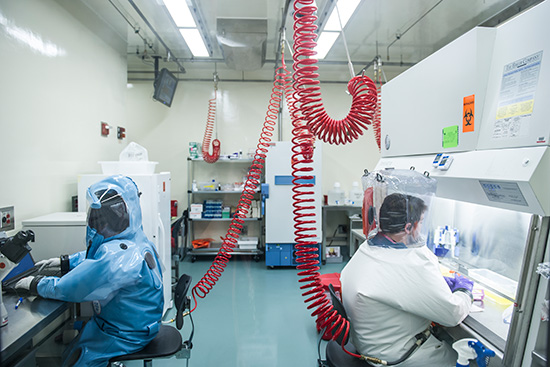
(105,129)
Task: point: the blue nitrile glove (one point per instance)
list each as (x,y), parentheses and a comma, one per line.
(462,284)
(450,281)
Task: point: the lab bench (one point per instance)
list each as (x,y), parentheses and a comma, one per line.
(29,326)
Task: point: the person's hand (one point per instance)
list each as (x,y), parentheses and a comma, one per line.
(458,282)
(450,281)
(24,283)
(49,263)
(462,284)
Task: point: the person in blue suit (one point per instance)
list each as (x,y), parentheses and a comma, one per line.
(119,272)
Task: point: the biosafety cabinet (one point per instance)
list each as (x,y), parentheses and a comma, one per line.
(476,116)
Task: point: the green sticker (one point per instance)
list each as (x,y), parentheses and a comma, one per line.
(450,137)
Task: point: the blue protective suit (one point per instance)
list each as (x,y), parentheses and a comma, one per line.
(122,277)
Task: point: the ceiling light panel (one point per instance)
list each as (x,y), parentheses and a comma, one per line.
(346,9)
(180,12)
(325,42)
(194,41)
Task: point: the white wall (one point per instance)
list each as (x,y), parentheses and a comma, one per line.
(60,78)
(58,81)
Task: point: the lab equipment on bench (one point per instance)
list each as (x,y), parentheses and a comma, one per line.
(355,195)
(445,241)
(336,196)
(12,251)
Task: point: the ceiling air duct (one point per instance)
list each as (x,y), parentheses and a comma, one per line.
(243,42)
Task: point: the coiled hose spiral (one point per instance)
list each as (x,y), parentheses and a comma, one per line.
(310,120)
(281,86)
(211,158)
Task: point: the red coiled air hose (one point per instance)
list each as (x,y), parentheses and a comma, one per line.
(281,85)
(309,118)
(306,86)
(211,158)
(377,114)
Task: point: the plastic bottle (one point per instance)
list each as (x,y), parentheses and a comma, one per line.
(355,194)
(336,195)
(194,188)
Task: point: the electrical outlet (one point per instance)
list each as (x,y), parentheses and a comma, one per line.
(7,218)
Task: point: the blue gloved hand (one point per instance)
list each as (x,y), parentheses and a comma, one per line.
(450,281)
(461,284)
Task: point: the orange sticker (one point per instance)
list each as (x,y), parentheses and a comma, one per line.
(468,112)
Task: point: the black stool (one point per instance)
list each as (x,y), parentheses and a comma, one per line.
(168,341)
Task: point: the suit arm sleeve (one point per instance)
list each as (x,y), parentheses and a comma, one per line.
(430,296)
(94,279)
(76,259)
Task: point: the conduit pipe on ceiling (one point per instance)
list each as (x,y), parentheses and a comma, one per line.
(399,35)
(281,34)
(136,8)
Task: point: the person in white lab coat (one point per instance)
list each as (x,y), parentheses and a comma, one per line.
(392,290)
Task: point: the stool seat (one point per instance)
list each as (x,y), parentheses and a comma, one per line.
(167,342)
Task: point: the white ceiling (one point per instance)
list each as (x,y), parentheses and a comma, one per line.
(402,32)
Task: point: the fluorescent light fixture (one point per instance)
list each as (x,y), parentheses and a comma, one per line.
(194,41)
(346,9)
(325,42)
(180,12)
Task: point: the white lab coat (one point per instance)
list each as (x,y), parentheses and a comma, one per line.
(392,294)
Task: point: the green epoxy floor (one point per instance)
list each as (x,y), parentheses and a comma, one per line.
(254,316)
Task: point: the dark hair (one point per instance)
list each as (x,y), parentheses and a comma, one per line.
(398,209)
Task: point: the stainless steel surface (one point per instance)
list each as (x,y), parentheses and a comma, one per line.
(527,291)
(32,316)
(243,42)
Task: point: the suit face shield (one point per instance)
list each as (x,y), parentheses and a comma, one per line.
(108,214)
(396,204)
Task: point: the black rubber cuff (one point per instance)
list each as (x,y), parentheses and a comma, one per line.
(65,265)
(33,289)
